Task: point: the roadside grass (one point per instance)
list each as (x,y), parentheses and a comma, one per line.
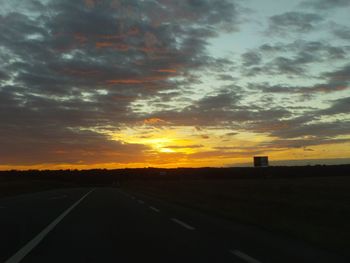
(16,187)
(314,209)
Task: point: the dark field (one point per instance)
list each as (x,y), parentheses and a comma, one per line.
(17,186)
(314,209)
(310,203)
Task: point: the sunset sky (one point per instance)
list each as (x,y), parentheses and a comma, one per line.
(173,83)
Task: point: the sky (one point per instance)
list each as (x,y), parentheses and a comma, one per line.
(165,83)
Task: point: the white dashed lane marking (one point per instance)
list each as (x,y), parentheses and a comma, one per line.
(154,209)
(183,224)
(244,256)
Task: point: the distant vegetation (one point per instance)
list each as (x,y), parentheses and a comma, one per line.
(104,176)
(15,182)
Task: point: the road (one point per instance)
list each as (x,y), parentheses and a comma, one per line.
(111,225)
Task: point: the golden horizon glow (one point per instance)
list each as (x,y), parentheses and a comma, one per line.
(173,147)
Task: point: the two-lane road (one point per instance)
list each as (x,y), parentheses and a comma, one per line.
(110,225)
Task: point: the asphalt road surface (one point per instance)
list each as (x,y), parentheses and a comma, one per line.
(111,225)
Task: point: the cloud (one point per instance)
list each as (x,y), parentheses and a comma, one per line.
(326,4)
(224,154)
(231,133)
(193,146)
(221,109)
(226,77)
(309,127)
(73,73)
(154,121)
(305,90)
(301,143)
(251,58)
(300,132)
(337,80)
(341,31)
(55,145)
(3,76)
(338,106)
(290,22)
(290,59)
(71,70)
(340,75)
(328,129)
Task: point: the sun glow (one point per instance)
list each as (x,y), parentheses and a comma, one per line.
(159,144)
(191,147)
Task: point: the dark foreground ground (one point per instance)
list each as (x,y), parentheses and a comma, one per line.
(114,225)
(164,216)
(316,210)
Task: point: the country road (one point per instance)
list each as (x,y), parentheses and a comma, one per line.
(112,225)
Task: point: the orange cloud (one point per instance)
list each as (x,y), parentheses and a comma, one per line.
(133,31)
(81,72)
(104,44)
(167,70)
(91,3)
(121,47)
(144,80)
(80,38)
(327,89)
(153,121)
(110,36)
(125,81)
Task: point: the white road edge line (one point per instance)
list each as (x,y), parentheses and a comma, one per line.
(20,254)
(141,202)
(244,256)
(181,223)
(154,209)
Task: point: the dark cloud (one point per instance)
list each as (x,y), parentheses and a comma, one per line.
(223,153)
(308,129)
(301,143)
(341,31)
(328,129)
(251,58)
(70,69)
(221,109)
(28,146)
(3,76)
(334,81)
(272,49)
(293,22)
(226,77)
(231,133)
(326,4)
(338,106)
(302,129)
(291,59)
(305,90)
(311,126)
(73,72)
(341,75)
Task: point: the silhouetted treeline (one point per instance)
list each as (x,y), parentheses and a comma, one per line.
(104,176)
